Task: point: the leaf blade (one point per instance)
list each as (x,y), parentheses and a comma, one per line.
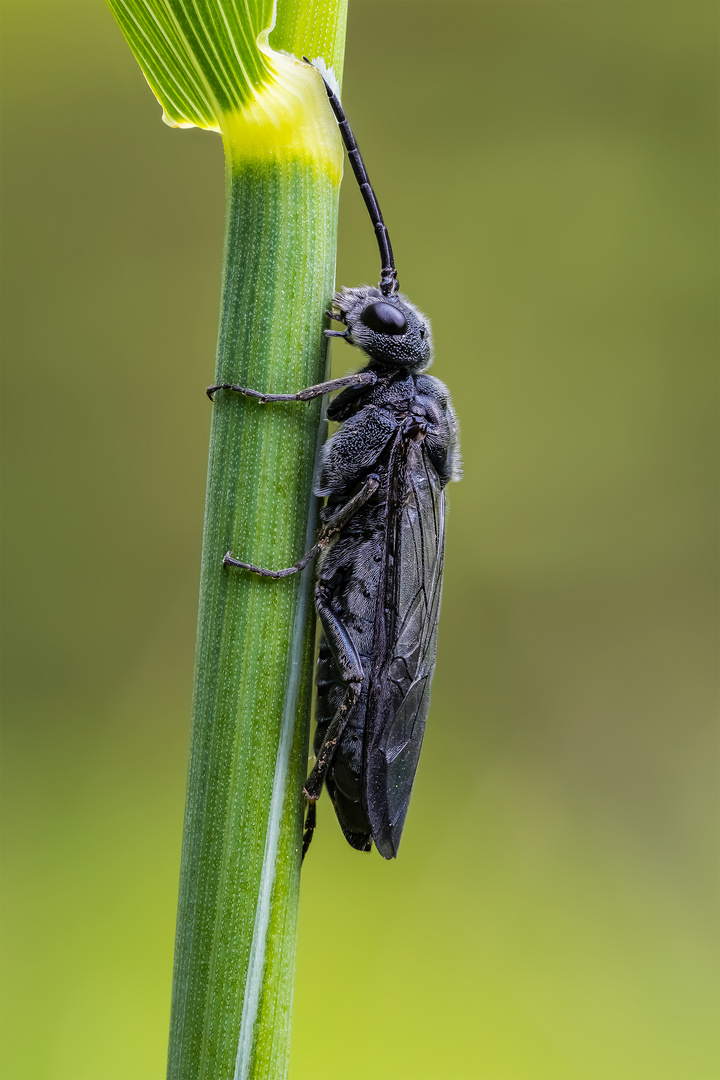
(201,59)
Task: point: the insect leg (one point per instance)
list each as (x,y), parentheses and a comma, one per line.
(351,673)
(310,823)
(350,670)
(314,782)
(332,525)
(388,274)
(362,378)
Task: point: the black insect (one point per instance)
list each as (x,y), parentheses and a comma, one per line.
(380,575)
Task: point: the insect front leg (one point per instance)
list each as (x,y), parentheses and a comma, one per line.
(362,378)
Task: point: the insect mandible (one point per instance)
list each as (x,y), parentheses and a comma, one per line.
(381,543)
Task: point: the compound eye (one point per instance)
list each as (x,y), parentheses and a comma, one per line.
(384,318)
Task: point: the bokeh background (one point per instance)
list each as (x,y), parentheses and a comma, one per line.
(549,174)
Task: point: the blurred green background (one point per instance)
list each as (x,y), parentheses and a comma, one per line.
(549,173)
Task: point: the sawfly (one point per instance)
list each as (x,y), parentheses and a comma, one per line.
(379,579)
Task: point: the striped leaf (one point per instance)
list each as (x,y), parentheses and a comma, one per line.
(200,57)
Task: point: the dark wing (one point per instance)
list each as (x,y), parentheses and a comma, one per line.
(414,586)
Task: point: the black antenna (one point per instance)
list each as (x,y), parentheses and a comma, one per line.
(388,274)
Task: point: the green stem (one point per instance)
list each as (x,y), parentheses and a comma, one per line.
(239,882)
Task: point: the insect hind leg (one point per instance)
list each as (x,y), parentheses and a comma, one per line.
(314,782)
(310,824)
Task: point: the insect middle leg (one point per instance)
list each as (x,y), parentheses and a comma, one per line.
(332,526)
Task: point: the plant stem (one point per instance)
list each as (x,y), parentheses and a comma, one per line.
(235,946)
